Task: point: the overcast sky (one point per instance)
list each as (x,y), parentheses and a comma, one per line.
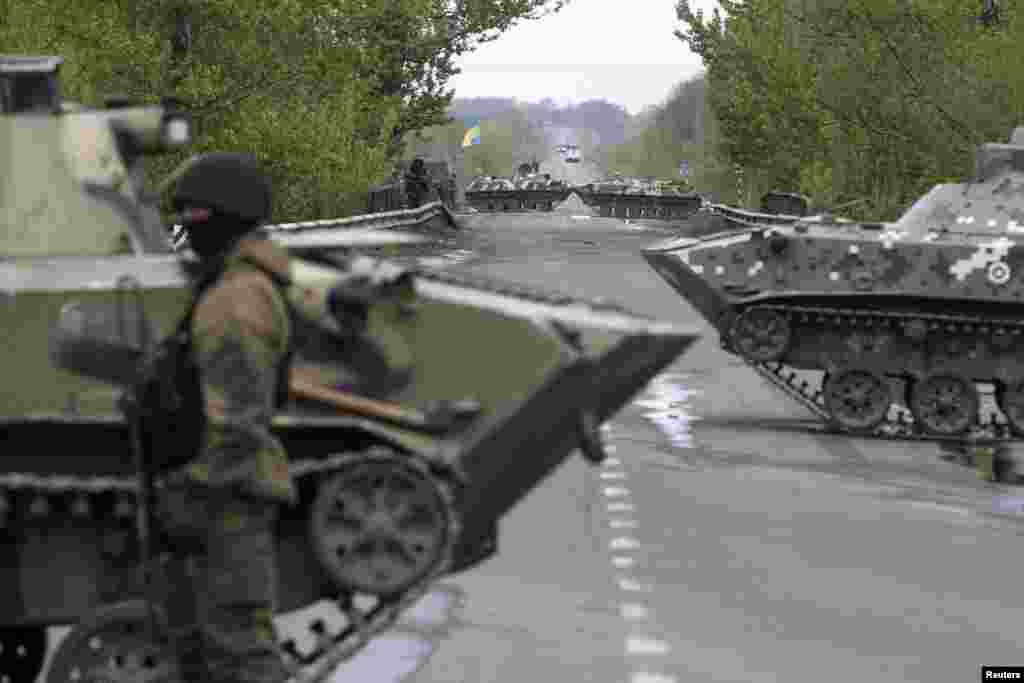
(622,51)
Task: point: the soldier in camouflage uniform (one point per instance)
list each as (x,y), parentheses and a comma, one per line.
(219,510)
(417,183)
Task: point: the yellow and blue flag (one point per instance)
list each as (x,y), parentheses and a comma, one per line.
(472,136)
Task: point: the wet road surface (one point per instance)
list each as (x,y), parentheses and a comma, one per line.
(726,539)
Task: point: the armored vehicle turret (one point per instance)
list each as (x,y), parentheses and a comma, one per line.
(407,440)
(927,312)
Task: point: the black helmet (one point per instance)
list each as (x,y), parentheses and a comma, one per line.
(230,183)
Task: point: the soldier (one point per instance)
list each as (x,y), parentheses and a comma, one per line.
(417,184)
(453,189)
(219,510)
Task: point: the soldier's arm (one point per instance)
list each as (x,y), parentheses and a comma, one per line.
(240,332)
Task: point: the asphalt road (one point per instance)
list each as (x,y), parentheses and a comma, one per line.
(726,540)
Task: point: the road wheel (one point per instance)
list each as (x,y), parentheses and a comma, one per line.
(761,335)
(944,403)
(857,400)
(22,651)
(1010,398)
(115,644)
(380,526)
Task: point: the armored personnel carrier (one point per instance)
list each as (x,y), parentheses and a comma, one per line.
(408,441)
(527,190)
(632,199)
(905,325)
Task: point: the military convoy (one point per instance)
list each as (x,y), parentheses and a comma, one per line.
(900,329)
(407,442)
(614,197)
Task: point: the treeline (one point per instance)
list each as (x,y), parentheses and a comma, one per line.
(606,121)
(867,101)
(680,129)
(325,92)
(507,139)
(514,132)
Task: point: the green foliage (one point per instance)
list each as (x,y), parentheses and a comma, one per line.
(506,140)
(857,99)
(323,91)
(681,128)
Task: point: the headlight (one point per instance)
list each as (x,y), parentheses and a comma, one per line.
(177,131)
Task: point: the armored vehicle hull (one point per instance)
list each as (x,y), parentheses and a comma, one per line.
(70,517)
(907,324)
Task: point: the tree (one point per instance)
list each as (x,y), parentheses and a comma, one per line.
(857,99)
(321,90)
(407,48)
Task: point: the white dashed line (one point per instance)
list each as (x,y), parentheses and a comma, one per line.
(640,645)
(634,611)
(633,586)
(616,491)
(624,543)
(644,677)
(622,523)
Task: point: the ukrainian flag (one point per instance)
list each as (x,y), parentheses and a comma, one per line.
(472,136)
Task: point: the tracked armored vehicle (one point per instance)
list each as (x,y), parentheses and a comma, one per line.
(903,329)
(632,199)
(407,440)
(527,190)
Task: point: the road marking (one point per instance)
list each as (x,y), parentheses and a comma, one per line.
(613,475)
(646,677)
(622,561)
(616,491)
(624,543)
(621,507)
(633,586)
(668,403)
(634,611)
(622,523)
(640,645)
(612,462)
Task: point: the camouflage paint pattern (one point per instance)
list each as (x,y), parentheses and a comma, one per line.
(958,250)
(241,334)
(221,596)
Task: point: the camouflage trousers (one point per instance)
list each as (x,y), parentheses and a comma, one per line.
(222,580)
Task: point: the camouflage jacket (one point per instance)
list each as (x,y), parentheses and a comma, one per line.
(240,336)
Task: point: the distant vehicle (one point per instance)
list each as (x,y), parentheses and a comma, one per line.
(572,154)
